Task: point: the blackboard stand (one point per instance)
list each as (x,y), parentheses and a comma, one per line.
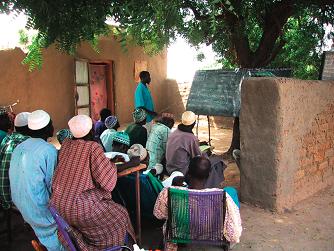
(209,128)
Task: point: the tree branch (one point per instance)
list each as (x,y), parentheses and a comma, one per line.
(274,21)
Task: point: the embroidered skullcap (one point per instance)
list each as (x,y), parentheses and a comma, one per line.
(137,150)
(80,125)
(121,137)
(139,115)
(38,119)
(110,122)
(21,119)
(64,134)
(188,118)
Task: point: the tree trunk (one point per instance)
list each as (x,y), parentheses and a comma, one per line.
(235,144)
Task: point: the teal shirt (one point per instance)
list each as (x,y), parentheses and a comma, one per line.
(143,98)
(31,169)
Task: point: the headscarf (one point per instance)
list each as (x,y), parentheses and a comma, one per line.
(139,115)
(64,134)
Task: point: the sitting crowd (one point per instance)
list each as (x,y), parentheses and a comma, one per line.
(80,178)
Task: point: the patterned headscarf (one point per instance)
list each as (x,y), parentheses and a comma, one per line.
(64,134)
(110,122)
(121,137)
(139,115)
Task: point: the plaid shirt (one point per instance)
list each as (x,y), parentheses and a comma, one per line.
(156,143)
(6,149)
(81,193)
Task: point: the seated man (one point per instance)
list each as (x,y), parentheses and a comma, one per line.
(99,126)
(182,145)
(157,140)
(30,174)
(5,124)
(197,176)
(112,125)
(82,186)
(6,149)
(137,132)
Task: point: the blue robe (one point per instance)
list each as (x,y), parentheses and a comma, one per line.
(31,169)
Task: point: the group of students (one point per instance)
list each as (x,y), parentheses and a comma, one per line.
(79,179)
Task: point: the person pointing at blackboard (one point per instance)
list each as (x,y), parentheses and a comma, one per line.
(143,98)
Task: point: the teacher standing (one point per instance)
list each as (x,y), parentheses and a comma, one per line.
(143,98)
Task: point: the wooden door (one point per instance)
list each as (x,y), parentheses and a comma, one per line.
(98,89)
(81,88)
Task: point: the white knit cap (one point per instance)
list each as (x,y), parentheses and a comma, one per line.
(80,125)
(137,150)
(188,118)
(168,182)
(21,119)
(38,119)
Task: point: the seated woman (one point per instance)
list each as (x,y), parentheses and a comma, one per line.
(82,186)
(112,125)
(137,132)
(199,169)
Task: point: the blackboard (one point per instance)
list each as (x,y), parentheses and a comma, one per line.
(327,72)
(217,92)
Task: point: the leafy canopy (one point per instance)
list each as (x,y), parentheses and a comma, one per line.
(244,33)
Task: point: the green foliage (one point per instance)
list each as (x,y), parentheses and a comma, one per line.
(23,37)
(302,52)
(34,57)
(246,33)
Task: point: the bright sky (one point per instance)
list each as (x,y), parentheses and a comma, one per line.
(182,60)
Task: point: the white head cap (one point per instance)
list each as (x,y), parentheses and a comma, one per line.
(80,125)
(188,118)
(137,150)
(21,119)
(38,119)
(168,182)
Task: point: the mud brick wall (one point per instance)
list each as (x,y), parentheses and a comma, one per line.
(287,140)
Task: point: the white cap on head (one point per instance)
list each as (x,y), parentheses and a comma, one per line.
(137,150)
(38,119)
(80,125)
(21,119)
(168,182)
(188,118)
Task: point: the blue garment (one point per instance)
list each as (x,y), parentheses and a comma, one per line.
(234,194)
(143,98)
(31,169)
(99,128)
